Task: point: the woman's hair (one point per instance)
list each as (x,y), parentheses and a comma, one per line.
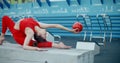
(39,38)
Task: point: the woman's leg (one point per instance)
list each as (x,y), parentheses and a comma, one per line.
(7,22)
(47,44)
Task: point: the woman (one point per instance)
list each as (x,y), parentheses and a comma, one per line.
(23,31)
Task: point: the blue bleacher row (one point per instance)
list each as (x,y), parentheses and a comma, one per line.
(34,8)
(69,20)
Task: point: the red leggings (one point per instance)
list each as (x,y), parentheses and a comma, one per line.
(19,36)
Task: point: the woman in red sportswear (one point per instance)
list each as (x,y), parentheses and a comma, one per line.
(23,31)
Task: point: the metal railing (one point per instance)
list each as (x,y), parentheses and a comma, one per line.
(108,25)
(102,31)
(85,31)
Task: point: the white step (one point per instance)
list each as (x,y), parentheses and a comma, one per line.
(13,53)
(100,37)
(97,37)
(101,44)
(88,46)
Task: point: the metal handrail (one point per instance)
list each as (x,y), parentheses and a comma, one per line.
(99,22)
(107,17)
(104,37)
(82,15)
(85,17)
(90,23)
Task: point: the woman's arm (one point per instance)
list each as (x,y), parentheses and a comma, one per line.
(43,25)
(29,34)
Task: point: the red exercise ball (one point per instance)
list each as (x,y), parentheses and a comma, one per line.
(78,26)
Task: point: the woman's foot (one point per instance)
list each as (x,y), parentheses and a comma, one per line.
(62,46)
(1,40)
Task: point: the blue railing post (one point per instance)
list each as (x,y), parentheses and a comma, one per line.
(68,2)
(48,2)
(39,2)
(6,3)
(79,2)
(1,5)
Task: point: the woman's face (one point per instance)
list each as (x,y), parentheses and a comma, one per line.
(42,33)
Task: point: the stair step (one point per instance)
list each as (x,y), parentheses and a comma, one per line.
(97,37)
(101,44)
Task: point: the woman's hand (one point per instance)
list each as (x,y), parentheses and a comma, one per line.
(33,48)
(41,49)
(75,30)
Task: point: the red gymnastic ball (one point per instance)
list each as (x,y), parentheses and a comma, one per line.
(78,26)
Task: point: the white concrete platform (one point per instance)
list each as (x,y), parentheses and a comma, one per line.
(88,46)
(13,53)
